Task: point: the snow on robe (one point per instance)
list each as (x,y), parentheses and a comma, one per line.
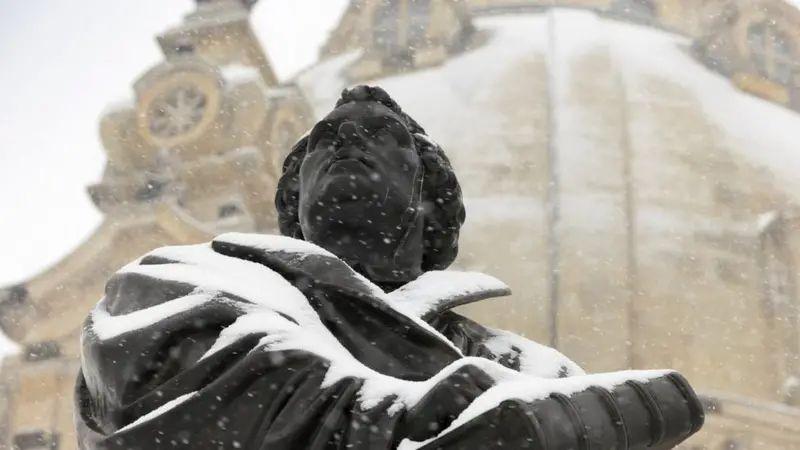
(267,342)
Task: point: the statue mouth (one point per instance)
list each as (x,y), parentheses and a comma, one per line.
(359,163)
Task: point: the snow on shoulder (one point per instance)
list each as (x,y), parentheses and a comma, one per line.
(172,404)
(443,289)
(105,326)
(274,243)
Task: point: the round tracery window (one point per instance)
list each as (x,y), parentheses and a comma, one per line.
(177,111)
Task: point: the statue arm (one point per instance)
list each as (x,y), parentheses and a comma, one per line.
(645,409)
(506,348)
(178,352)
(625,410)
(433,295)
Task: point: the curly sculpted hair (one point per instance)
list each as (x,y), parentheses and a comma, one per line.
(443,208)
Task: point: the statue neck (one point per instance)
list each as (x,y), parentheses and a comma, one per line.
(388,266)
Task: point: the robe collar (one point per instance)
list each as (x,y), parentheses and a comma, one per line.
(437,291)
(430,294)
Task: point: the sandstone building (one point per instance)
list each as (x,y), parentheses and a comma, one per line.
(196,153)
(629,168)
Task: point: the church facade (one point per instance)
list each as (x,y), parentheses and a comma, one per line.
(195,153)
(634,232)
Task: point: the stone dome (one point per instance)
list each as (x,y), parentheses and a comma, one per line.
(627,193)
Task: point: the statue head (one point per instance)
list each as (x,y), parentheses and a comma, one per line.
(367,184)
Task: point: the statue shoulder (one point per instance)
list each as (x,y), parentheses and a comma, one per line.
(439,291)
(296,260)
(172,273)
(269,243)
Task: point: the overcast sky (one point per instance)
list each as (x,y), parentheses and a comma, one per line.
(63,61)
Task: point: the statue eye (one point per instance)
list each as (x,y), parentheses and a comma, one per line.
(399,133)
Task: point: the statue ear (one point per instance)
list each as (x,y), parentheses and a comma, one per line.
(436,165)
(444,208)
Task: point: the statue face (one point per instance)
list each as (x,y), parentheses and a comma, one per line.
(359,188)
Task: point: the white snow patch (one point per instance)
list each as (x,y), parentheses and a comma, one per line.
(766,219)
(437,286)
(201,266)
(791,383)
(284,244)
(323,82)
(535,359)
(764,133)
(451,100)
(794,3)
(107,326)
(530,389)
(274,243)
(7,346)
(447,98)
(258,320)
(570,34)
(239,73)
(159,411)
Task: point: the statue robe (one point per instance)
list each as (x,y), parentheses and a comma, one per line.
(267,342)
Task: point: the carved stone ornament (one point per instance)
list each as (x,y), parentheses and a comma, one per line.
(178,106)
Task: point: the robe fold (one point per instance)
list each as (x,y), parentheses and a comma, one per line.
(267,342)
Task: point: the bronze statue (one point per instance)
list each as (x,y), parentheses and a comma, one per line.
(371,187)
(339,335)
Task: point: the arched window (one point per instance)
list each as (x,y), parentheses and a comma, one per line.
(783,63)
(386,26)
(418,17)
(757,43)
(771,52)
